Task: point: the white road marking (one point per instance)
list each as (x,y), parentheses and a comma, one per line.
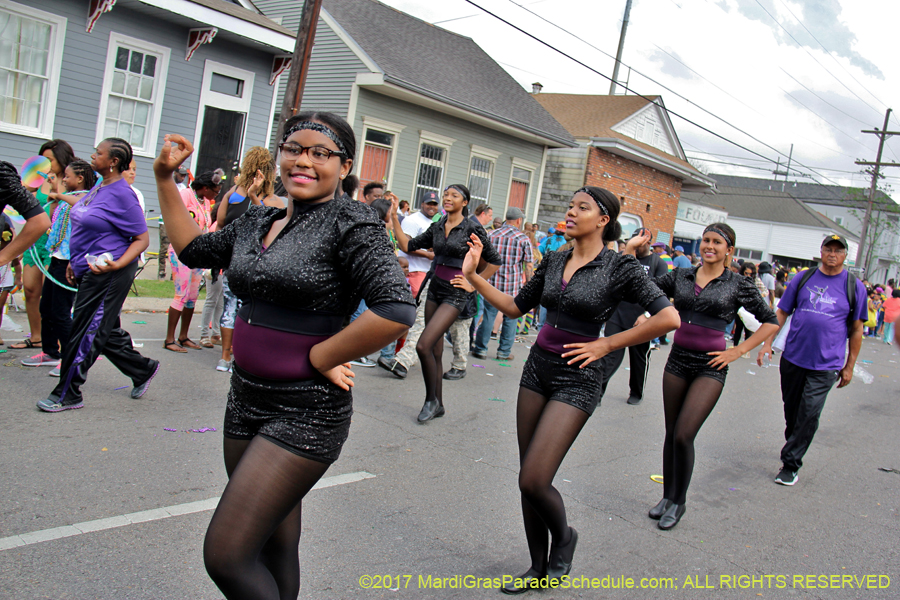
(55,533)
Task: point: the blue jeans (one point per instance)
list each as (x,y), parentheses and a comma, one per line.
(507,332)
(388,351)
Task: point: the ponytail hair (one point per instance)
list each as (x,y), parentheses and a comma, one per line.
(609,206)
(85,171)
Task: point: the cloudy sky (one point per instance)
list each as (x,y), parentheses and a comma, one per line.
(812,73)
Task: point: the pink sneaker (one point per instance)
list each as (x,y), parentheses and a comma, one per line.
(41,360)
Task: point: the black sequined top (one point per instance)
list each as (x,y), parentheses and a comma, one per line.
(717,304)
(593,292)
(325,259)
(452,249)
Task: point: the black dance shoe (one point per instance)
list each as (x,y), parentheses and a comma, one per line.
(660,509)
(561,557)
(671,517)
(430,410)
(530,580)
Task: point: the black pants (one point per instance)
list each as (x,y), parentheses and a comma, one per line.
(96,330)
(803,392)
(56,310)
(638,360)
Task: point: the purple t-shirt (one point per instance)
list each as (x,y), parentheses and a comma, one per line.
(817,339)
(105,220)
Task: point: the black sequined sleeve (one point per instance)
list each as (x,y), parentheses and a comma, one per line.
(530,294)
(489,254)
(423,241)
(365,253)
(667,283)
(211,250)
(632,284)
(750,298)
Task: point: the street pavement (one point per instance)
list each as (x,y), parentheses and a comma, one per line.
(432,505)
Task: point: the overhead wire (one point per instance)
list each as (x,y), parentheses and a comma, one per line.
(824,100)
(836,78)
(827,51)
(625,87)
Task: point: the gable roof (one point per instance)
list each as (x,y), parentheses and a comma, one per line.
(594,117)
(815,193)
(441,65)
(766,205)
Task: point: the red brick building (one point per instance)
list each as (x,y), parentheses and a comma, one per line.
(628,146)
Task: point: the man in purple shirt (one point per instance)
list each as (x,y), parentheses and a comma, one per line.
(815,352)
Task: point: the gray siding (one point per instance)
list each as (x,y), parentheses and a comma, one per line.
(466,134)
(333,65)
(81,81)
(564,174)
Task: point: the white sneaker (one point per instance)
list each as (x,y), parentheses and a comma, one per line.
(223,365)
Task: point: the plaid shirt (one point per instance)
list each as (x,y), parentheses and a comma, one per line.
(515,249)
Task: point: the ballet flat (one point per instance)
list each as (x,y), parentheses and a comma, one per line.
(672,516)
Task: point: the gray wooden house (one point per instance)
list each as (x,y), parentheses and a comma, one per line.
(429,107)
(84,70)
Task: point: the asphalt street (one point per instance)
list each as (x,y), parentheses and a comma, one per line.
(426,511)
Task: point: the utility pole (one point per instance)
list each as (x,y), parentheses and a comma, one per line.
(615,75)
(293,92)
(787,171)
(883,134)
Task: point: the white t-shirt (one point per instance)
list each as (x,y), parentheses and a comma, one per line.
(769,280)
(412,226)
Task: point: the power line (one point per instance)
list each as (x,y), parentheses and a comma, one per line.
(794,98)
(813,57)
(695,124)
(824,100)
(831,54)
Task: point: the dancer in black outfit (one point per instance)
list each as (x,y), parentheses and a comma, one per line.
(707,298)
(300,271)
(561,382)
(448,239)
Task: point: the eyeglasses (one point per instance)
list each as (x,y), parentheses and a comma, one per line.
(827,250)
(317,154)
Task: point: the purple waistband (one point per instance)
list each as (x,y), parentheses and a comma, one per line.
(698,338)
(446,273)
(273,354)
(552,339)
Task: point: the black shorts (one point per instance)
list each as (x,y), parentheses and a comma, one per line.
(691,364)
(548,374)
(310,418)
(441,291)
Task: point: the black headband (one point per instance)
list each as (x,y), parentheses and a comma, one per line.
(715,229)
(458,189)
(596,198)
(326,131)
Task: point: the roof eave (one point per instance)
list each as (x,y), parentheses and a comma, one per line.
(690,181)
(266,36)
(403,90)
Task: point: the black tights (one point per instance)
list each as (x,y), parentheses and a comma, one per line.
(546,432)
(687,405)
(251,545)
(430,347)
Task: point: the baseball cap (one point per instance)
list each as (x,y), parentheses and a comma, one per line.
(679,249)
(836,238)
(181,171)
(429,197)
(640,230)
(514,213)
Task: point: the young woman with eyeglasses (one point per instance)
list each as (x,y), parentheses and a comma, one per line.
(300,271)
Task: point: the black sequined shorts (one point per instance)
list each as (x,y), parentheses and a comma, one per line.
(691,364)
(310,418)
(442,291)
(548,374)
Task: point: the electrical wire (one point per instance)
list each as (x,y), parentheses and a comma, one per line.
(824,100)
(625,87)
(831,54)
(814,58)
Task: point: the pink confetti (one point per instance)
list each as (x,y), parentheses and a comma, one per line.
(203,430)
(478,366)
(169,429)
